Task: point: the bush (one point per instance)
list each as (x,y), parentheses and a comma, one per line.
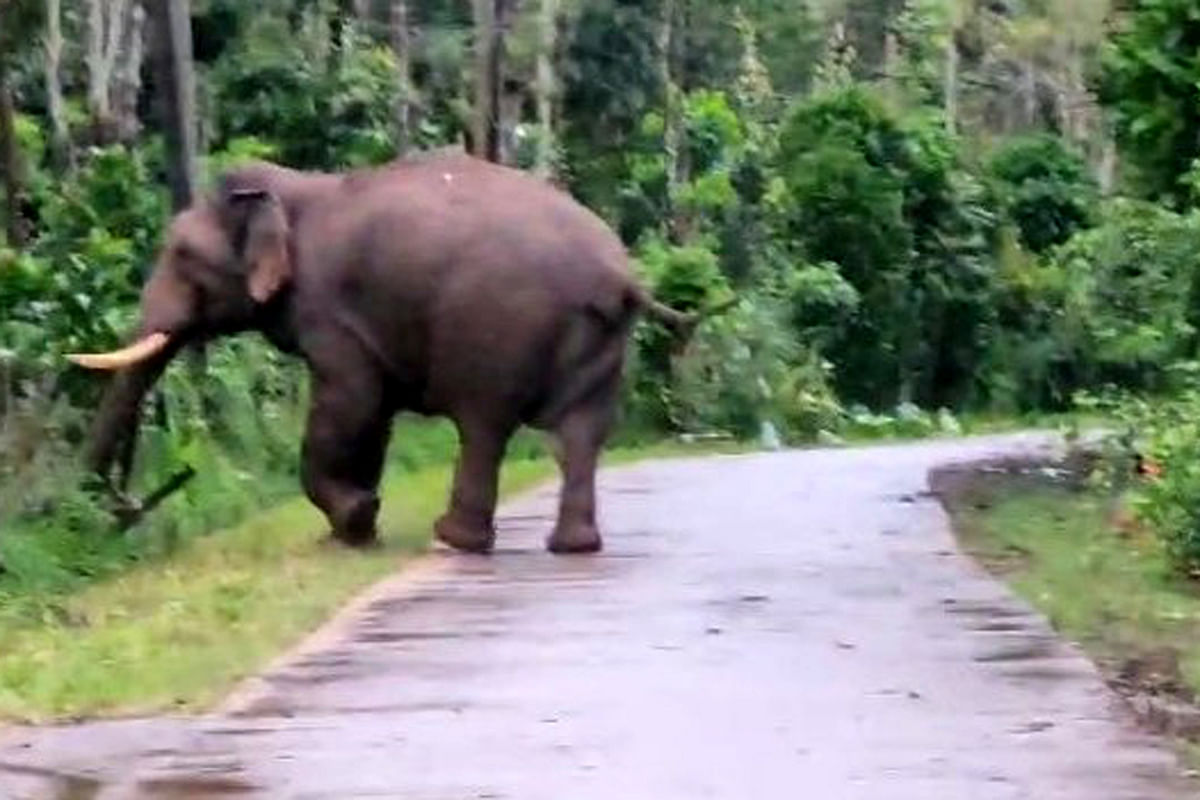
(1164,433)
(685,278)
(311,116)
(820,303)
(1044,188)
(746,368)
(75,288)
(886,201)
(1129,295)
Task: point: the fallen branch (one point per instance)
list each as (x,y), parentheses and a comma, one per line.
(131,511)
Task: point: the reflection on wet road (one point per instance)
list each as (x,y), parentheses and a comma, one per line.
(794,624)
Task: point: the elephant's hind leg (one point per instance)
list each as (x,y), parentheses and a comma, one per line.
(581,435)
(343,455)
(469,523)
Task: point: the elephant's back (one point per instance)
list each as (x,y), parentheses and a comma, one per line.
(462,272)
(451,218)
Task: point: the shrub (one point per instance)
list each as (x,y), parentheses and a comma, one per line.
(685,278)
(746,368)
(1129,295)
(1044,188)
(1166,434)
(312,116)
(886,201)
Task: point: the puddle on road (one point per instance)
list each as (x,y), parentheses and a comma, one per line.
(397,637)
(210,787)
(62,786)
(998,626)
(1028,650)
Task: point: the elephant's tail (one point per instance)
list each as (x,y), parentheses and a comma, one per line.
(679,321)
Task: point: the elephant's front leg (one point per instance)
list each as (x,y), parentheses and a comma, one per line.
(469,523)
(344,448)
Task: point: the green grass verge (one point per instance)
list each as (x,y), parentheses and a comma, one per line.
(178,632)
(1110,591)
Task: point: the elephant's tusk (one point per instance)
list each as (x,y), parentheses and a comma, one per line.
(139,351)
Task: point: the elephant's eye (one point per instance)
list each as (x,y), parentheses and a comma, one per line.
(188,260)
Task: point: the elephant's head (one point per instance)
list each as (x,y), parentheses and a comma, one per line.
(220,267)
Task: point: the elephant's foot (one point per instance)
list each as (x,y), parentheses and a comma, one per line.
(464,535)
(356,528)
(576,539)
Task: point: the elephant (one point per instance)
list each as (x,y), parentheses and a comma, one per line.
(442,285)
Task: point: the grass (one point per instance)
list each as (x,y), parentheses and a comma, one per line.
(1106,588)
(179,631)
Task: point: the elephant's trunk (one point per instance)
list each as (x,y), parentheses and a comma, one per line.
(166,318)
(114,432)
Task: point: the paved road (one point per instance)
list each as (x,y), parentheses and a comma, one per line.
(790,625)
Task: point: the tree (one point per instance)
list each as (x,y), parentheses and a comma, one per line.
(1044,188)
(12,166)
(672,114)
(493,19)
(60,136)
(114,61)
(879,196)
(401,41)
(177,103)
(1151,84)
(19,19)
(545,86)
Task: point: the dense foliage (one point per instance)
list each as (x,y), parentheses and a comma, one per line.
(904,210)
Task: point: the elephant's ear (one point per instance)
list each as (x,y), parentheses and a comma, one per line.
(266,244)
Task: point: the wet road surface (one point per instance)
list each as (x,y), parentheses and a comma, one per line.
(766,626)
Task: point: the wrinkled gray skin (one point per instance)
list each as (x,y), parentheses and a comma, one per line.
(442,285)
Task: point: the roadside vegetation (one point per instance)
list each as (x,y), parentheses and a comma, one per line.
(921,218)
(1105,580)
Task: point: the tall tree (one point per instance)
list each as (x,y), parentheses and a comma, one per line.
(489,61)
(19,22)
(177,95)
(401,39)
(497,98)
(60,136)
(12,167)
(1150,84)
(665,44)
(546,86)
(114,60)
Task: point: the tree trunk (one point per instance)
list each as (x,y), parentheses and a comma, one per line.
(512,99)
(489,62)
(177,95)
(1107,173)
(114,51)
(482,12)
(340,27)
(402,47)
(891,64)
(673,121)
(1079,98)
(127,79)
(493,19)
(950,84)
(1029,90)
(11,166)
(62,153)
(106,30)
(545,88)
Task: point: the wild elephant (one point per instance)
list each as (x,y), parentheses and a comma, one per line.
(442,285)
